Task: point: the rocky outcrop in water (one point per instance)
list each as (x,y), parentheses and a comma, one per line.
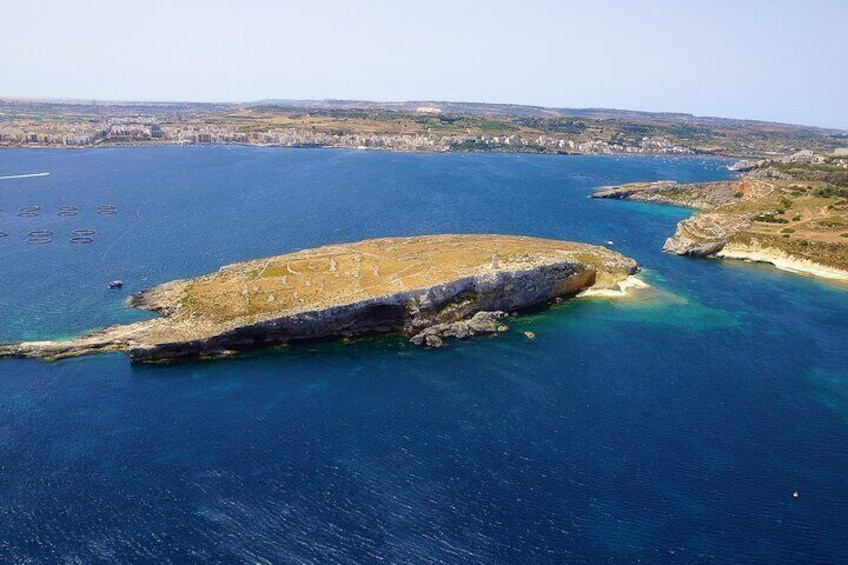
(429,287)
(481,322)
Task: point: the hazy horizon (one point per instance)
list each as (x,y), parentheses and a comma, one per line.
(739,60)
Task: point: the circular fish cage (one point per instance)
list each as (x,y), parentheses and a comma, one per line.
(38,240)
(3,234)
(82,239)
(83,232)
(68,211)
(107,209)
(40,233)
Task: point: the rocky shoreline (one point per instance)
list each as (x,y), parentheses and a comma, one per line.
(696,195)
(793,217)
(428,287)
(781,260)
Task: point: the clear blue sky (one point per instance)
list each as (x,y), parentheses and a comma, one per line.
(780,60)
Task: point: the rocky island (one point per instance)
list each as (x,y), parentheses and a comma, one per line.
(792,213)
(428,287)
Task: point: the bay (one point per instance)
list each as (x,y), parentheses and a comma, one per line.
(671,427)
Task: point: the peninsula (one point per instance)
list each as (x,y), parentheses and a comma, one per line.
(792,213)
(428,287)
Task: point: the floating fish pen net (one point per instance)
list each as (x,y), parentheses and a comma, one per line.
(68,210)
(84,231)
(82,239)
(40,233)
(38,240)
(29,211)
(107,209)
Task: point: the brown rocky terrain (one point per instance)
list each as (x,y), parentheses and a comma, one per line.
(696,195)
(793,215)
(405,285)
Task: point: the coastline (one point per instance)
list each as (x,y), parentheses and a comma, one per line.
(745,219)
(424,150)
(621,289)
(780,260)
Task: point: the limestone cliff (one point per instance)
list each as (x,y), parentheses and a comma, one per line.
(705,234)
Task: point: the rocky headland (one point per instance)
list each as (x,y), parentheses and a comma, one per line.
(701,195)
(428,287)
(791,214)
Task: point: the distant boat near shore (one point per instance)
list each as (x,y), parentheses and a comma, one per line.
(24,176)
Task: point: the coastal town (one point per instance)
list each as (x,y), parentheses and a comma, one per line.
(67,135)
(404,128)
(147,130)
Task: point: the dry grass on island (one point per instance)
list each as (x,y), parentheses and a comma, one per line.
(342,274)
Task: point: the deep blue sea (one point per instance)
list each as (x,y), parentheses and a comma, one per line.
(673,427)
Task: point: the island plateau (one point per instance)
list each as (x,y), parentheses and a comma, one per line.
(792,213)
(428,287)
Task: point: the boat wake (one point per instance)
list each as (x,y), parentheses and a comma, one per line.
(24,176)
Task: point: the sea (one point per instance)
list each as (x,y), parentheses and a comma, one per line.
(702,420)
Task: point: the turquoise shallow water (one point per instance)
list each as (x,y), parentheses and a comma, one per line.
(673,428)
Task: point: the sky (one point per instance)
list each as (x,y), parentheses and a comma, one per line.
(766,60)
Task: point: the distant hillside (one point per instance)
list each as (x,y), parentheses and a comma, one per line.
(517,110)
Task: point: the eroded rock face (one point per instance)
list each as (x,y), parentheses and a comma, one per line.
(374,286)
(705,234)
